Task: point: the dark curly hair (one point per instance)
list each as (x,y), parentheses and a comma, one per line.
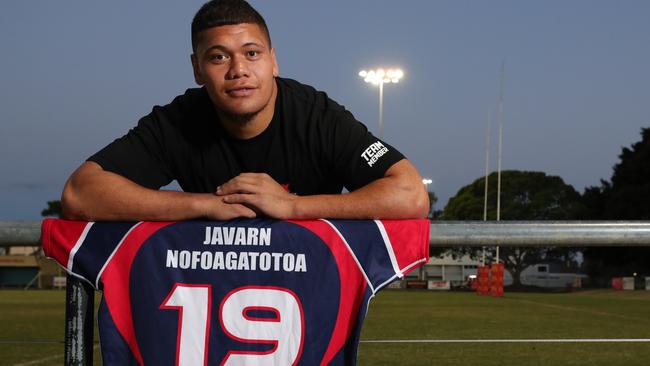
(216,13)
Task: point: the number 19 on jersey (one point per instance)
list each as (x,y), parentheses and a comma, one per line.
(250,314)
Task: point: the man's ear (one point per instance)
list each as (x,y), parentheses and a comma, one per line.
(198,76)
(276,69)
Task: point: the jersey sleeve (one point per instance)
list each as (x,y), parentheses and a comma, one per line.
(140,155)
(82,248)
(385,249)
(358,156)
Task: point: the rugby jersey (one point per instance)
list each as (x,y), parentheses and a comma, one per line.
(240,292)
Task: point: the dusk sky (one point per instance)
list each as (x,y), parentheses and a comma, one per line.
(74,75)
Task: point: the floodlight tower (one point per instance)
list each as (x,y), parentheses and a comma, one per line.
(380,77)
(487,173)
(427,182)
(500,121)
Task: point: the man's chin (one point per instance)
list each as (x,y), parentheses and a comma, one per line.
(240,117)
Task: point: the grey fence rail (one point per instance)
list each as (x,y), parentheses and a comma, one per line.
(80,296)
(461,233)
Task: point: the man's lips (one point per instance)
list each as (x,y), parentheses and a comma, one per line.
(240,91)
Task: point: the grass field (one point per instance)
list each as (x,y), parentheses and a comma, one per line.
(31,319)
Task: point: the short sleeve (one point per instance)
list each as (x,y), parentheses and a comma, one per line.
(83,248)
(140,155)
(358,156)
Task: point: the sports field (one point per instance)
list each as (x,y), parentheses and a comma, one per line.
(583,328)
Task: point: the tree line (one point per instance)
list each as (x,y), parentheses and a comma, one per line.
(527,195)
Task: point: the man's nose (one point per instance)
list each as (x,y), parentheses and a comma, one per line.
(238,68)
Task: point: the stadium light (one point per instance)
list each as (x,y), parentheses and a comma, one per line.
(427,182)
(380,77)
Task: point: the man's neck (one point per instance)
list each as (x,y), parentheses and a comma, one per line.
(253,126)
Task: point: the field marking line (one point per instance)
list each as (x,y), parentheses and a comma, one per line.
(570,340)
(35,362)
(41,360)
(595,312)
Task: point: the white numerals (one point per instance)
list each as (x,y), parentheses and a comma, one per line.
(258,315)
(193,305)
(283,330)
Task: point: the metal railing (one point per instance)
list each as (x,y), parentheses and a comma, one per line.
(449,234)
(445,234)
(20,233)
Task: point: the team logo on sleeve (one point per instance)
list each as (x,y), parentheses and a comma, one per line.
(374,152)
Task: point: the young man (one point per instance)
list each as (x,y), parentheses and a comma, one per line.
(246,144)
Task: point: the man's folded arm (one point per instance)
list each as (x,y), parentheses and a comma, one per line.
(93,194)
(399,194)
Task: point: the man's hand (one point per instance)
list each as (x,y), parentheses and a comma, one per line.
(216,208)
(261,193)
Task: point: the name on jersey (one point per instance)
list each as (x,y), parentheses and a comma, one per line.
(218,235)
(374,152)
(236,261)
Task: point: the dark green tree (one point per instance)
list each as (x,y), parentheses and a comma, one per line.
(53,209)
(626,197)
(524,196)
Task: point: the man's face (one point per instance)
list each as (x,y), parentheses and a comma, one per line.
(237,66)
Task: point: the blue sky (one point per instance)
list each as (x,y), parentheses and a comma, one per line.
(74,76)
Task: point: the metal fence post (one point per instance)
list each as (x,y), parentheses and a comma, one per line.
(79,325)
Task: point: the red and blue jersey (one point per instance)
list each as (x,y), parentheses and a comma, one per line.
(240,292)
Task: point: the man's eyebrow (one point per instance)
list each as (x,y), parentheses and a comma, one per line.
(225,49)
(248,44)
(216,46)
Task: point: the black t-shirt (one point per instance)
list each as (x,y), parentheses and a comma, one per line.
(312,146)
